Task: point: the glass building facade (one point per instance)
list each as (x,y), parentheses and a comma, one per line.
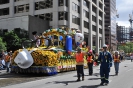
(110,24)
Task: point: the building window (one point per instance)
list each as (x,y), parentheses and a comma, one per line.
(47,16)
(100,30)
(86,14)
(21,8)
(106,34)
(75,20)
(107,21)
(107,5)
(4,31)
(4,11)
(75,8)
(86,24)
(62,15)
(4,1)
(66,3)
(107,17)
(43,4)
(107,43)
(93,18)
(94,28)
(86,3)
(61,2)
(17,0)
(94,1)
(94,9)
(100,14)
(100,22)
(100,5)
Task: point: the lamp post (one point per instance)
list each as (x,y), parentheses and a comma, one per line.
(109,37)
(118,31)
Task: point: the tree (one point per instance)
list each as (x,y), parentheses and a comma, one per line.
(2,45)
(14,38)
(127,47)
(12,41)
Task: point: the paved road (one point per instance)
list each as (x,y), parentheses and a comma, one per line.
(67,80)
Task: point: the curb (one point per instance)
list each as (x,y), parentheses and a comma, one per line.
(2,72)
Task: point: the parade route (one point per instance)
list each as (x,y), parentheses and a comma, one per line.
(68,79)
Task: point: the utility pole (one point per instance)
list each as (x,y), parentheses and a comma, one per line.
(130,19)
(131,26)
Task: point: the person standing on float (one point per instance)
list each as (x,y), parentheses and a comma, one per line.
(36,37)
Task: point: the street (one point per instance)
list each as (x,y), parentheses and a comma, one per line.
(68,79)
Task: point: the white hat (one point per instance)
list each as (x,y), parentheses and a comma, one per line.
(117,52)
(105,45)
(78,31)
(24,59)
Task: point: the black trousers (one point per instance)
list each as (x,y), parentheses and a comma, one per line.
(80,70)
(90,68)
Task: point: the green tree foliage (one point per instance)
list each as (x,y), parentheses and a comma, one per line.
(2,45)
(127,47)
(12,40)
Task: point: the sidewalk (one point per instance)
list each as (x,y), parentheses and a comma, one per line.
(3,72)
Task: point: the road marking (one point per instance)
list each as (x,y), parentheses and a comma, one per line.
(2,78)
(129,70)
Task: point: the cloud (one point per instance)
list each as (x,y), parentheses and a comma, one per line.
(123,23)
(124,7)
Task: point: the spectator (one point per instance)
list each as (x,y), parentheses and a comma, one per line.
(2,62)
(7,61)
(131,56)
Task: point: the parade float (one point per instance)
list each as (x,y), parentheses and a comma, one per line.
(50,58)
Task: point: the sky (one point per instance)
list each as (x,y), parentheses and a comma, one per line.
(124,8)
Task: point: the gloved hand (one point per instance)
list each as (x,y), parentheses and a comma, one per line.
(110,64)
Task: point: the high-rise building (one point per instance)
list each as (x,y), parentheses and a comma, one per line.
(86,15)
(123,34)
(110,24)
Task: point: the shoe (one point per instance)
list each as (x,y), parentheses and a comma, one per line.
(82,78)
(101,83)
(116,73)
(90,74)
(78,80)
(106,84)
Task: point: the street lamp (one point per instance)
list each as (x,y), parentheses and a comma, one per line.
(109,36)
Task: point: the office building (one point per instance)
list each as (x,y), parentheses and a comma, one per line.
(123,34)
(110,24)
(86,15)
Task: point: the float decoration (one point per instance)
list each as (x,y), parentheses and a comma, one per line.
(49,59)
